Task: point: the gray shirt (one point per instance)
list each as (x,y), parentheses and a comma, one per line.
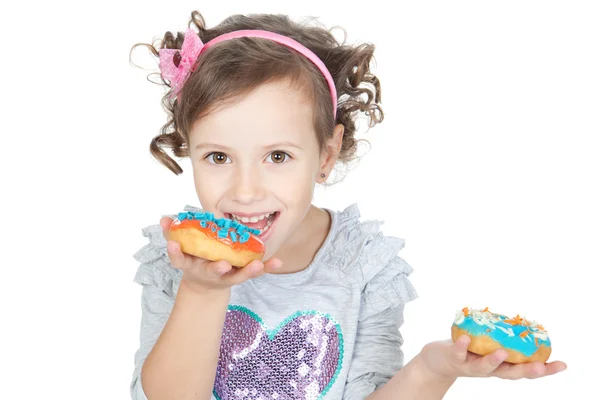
(330,331)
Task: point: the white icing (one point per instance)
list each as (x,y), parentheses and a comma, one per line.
(508,331)
(459,318)
(488,319)
(485,318)
(540,335)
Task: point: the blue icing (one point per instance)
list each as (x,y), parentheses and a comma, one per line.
(526,347)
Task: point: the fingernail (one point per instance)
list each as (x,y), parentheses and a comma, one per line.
(222,270)
(562,368)
(463,341)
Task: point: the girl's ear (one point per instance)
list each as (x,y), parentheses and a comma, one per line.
(331,153)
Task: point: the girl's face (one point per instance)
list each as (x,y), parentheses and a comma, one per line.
(257,161)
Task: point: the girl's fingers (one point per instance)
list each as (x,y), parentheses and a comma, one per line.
(488,364)
(165,223)
(518,371)
(219,268)
(240,275)
(529,370)
(555,367)
(459,349)
(177,258)
(273,265)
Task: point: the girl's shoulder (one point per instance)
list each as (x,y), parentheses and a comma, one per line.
(363,253)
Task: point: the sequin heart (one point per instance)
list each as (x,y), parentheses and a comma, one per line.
(300,359)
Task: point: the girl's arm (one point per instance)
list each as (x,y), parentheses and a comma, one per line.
(181,330)
(183,362)
(431,373)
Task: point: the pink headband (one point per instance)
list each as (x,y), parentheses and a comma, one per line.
(176,65)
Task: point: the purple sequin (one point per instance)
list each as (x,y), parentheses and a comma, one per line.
(299,361)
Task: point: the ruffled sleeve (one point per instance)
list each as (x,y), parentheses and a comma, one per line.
(160,282)
(386,289)
(155,268)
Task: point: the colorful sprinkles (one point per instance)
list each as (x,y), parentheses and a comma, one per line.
(516,333)
(223,226)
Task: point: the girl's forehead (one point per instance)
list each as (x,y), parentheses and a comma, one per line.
(271,112)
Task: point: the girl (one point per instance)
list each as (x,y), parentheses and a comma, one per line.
(265,108)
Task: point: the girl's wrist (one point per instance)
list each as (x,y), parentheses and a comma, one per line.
(430,376)
(197,290)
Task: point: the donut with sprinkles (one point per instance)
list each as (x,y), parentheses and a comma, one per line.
(202,235)
(524,340)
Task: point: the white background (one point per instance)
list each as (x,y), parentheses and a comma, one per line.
(487,164)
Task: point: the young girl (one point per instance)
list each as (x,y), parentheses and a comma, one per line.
(265,108)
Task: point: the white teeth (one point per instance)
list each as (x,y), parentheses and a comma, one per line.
(263,230)
(250,219)
(255,219)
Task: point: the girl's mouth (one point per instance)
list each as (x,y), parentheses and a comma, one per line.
(261,222)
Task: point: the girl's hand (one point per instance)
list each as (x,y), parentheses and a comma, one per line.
(448,360)
(203,275)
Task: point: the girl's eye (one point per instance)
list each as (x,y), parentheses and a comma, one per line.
(278,157)
(217,158)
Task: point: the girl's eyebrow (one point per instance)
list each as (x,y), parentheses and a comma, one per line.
(212,146)
(284,144)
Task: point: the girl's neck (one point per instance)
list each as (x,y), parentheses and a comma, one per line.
(298,252)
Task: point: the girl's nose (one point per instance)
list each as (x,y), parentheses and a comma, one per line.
(248,186)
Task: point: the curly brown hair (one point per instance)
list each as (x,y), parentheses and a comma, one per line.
(250,62)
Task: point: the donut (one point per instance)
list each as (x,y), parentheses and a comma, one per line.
(525,341)
(202,235)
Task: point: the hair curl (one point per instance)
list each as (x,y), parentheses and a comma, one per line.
(251,62)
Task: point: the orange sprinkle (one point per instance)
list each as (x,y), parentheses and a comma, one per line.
(536,342)
(541,328)
(524,333)
(488,330)
(466,311)
(486,310)
(515,321)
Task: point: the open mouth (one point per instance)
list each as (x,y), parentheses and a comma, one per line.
(262,222)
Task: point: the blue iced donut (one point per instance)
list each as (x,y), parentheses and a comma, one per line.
(525,341)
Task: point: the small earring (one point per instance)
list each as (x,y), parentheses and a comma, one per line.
(322,175)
